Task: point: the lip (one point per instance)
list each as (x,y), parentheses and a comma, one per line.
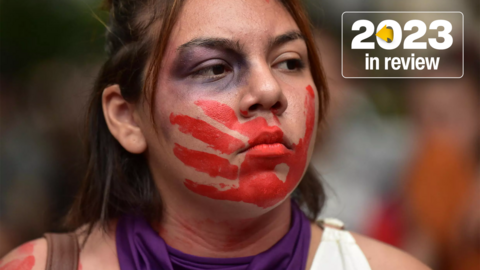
(268,143)
(268,150)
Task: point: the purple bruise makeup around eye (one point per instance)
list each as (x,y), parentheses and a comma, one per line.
(218,64)
(193,58)
(199,67)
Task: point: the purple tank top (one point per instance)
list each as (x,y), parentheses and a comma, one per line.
(140,247)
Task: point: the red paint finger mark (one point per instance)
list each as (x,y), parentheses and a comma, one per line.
(225,115)
(20,264)
(310,91)
(80,266)
(244,113)
(200,188)
(219,112)
(257,189)
(258,184)
(206,162)
(207,133)
(275,117)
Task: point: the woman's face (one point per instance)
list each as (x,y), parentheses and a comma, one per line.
(235,106)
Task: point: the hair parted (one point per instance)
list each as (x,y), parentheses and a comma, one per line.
(118,182)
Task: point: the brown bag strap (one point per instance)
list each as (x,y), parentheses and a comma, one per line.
(63,251)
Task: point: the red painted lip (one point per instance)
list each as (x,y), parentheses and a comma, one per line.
(268,150)
(268,143)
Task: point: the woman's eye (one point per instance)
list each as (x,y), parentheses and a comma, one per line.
(218,69)
(213,72)
(291,65)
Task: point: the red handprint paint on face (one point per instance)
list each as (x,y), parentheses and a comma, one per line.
(205,162)
(258,183)
(275,117)
(206,133)
(20,264)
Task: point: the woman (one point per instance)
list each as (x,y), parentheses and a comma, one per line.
(201,128)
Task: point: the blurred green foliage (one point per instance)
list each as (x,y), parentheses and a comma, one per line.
(32,31)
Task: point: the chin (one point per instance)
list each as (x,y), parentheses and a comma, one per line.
(216,209)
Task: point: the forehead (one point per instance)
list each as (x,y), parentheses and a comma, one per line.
(245,20)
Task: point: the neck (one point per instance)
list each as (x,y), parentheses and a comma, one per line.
(225,239)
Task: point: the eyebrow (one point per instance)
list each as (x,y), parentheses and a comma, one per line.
(228,44)
(213,43)
(285,38)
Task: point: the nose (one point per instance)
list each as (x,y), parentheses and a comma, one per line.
(264,95)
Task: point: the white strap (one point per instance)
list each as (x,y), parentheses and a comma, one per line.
(339,251)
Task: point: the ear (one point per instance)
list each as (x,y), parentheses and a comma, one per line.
(122,120)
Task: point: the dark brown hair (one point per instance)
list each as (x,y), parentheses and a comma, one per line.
(119,182)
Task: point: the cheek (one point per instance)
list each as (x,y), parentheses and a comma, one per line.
(314,130)
(169,98)
(163,106)
(174,97)
(164,125)
(294,122)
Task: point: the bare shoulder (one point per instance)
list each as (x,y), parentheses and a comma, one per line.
(98,251)
(29,256)
(383,256)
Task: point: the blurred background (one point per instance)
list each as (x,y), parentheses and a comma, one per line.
(400,159)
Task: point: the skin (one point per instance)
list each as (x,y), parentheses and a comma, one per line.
(23,257)
(261,88)
(225,200)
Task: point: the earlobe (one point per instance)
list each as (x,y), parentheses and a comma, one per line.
(121,121)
